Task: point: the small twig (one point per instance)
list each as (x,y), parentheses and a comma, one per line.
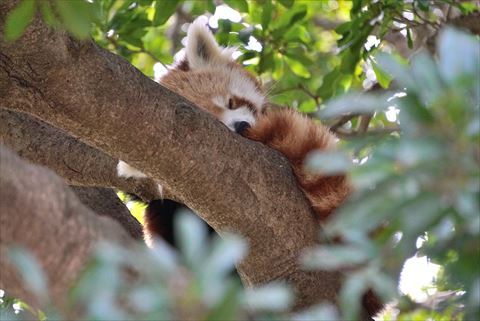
(343,134)
(326,24)
(309,93)
(364,122)
(342,121)
(409,23)
(447,14)
(417,14)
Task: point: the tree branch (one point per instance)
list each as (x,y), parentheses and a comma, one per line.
(39,212)
(105,202)
(470,22)
(78,163)
(231,182)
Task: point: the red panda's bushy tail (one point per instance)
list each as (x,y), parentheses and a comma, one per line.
(295,135)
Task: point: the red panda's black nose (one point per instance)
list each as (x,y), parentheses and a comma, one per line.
(241,126)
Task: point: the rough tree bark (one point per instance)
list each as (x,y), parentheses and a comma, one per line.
(38,211)
(78,163)
(105,202)
(232,183)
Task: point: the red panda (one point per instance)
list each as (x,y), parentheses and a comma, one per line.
(213,81)
(209,77)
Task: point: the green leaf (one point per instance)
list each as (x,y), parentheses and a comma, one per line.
(467,7)
(225,254)
(308,106)
(422,4)
(244,34)
(329,84)
(240,5)
(76,16)
(350,60)
(298,68)
(299,54)
(397,69)
(31,272)
(218,265)
(267,61)
(350,295)
(266,14)
(412,151)
(270,297)
(19,19)
(192,238)
(419,213)
(298,14)
(286,3)
(47,13)
(227,308)
(383,78)
(409,39)
(288,20)
(165,257)
(327,162)
(414,113)
(279,66)
(321,312)
(382,284)
(163,10)
(367,213)
(344,28)
(357,5)
(335,257)
(298,33)
(354,103)
(454,66)
(427,77)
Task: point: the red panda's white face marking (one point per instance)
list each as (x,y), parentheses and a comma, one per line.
(241,103)
(209,77)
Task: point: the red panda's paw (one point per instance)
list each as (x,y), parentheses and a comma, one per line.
(295,136)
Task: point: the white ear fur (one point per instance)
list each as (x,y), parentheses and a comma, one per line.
(202,49)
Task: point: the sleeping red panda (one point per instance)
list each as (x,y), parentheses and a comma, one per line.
(210,78)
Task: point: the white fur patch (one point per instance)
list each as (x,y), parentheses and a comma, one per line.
(230,117)
(220,101)
(160,190)
(243,87)
(125,170)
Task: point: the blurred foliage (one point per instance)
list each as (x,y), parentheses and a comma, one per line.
(414,137)
(424,182)
(195,282)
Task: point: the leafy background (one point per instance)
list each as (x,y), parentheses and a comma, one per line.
(384,77)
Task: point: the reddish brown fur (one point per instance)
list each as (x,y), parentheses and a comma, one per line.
(241,102)
(192,85)
(294,135)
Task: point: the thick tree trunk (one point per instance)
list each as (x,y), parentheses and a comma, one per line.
(232,183)
(39,212)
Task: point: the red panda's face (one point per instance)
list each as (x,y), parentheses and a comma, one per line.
(210,78)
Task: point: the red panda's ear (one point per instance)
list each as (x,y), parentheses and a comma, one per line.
(202,50)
